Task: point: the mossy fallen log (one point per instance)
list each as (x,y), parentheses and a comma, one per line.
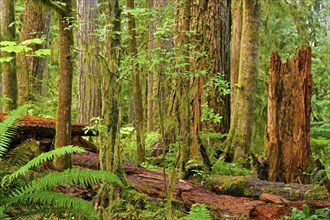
(250,186)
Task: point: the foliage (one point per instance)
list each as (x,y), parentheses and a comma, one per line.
(198,212)
(229,169)
(9,126)
(305,214)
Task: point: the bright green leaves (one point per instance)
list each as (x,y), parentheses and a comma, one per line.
(23,47)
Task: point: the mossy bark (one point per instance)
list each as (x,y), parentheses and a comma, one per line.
(89,80)
(30,68)
(240,134)
(136,84)
(9,81)
(63,126)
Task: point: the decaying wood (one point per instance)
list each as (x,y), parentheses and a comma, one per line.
(43,130)
(288,127)
(152,183)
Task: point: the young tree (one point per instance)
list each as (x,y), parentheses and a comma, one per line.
(89,83)
(136,84)
(9,81)
(240,134)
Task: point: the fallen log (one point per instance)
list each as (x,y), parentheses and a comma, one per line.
(43,130)
(250,186)
(152,183)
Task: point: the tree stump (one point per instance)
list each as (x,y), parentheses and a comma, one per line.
(288,127)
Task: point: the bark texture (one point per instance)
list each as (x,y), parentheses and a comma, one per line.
(136,84)
(63,126)
(89,83)
(9,81)
(30,68)
(288,128)
(240,134)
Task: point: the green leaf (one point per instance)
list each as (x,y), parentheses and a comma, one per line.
(33,41)
(16,49)
(8,43)
(6,59)
(42,52)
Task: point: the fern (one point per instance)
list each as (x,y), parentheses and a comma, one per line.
(69,177)
(9,126)
(56,200)
(3,215)
(198,212)
(42,158)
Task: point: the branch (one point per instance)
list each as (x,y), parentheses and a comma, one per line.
(55,7)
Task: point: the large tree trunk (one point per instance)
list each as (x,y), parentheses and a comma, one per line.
(9,81)
(289,107)
(28,72)
(63,126)
(240,134)
(136,84)
(89,94)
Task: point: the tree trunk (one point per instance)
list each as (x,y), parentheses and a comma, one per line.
(63,126)
(240,134)
(9,81)
(288,128)
(28,72)
(136,84)
(89,94)
(237,9)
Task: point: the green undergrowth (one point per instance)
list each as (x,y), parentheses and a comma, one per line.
(229,169)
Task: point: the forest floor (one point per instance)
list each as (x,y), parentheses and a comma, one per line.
(151,183)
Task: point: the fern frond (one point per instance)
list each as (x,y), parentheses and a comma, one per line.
(56,200)
(69,177)
(22,153)
(197,212)
(3,215)
(42,158)
(9,126)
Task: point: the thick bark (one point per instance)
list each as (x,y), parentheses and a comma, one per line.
(240,134)
(28,73)
(136,84)
(9,80)
(289,106)
(235,49)
(63,126)
(89,94)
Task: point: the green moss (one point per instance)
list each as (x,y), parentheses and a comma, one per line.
(135,205)
(233,185)
(317,193)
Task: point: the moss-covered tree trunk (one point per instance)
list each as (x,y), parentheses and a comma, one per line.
(289,106)
(237,19)
(63,126)
(9,80)
(136,84)
(240,134)
(89,80)
(29,68)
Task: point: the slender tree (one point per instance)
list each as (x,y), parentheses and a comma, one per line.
(89,84)
(9,80)
(136,84)
(240,134)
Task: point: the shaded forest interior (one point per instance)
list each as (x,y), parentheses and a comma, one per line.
(159,109)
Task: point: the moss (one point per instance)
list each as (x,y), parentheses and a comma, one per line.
(233,185)
(317,193)
(135,205)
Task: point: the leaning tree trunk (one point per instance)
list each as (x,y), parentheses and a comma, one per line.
(289,107)
(9,81)
(89,83)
